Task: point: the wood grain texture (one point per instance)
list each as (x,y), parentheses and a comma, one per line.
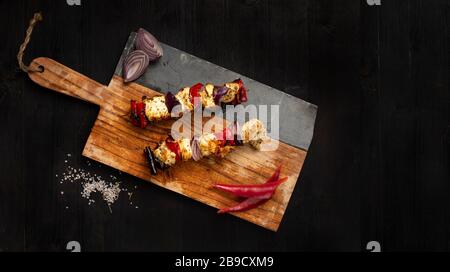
(114,141)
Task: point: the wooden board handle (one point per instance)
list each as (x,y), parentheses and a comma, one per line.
(62,79)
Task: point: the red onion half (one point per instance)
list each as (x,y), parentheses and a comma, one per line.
(135,65)
(149,44)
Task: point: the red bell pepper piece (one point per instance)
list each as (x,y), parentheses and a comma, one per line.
(225,135)
(251,190)
(231,142)
(221,137)
(236,134)
(140,108)
(242,93)
(175,148)
(194,91)
(134,114)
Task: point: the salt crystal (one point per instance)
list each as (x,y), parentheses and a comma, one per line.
(93,183)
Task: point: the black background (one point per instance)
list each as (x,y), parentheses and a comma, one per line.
(377,168)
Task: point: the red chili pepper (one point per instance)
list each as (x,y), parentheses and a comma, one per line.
(247,204)
(140,108)
(175,148)
(134,115)
(194,91)
(250,190)
(275,176)
(255,201)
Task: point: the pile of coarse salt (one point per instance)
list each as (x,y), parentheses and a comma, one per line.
(93,183)
(110,192)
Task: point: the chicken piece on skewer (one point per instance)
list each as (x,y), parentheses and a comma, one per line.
(160,108)
(170,152)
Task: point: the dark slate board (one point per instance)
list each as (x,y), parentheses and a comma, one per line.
(177,69)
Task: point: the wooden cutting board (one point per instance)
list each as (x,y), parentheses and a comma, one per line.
(114,141)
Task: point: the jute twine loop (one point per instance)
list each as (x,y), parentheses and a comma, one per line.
(36,18)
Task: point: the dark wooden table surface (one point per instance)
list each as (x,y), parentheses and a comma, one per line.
(378,167)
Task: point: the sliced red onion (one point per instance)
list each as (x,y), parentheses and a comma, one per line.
(196,152)
(149,44)
(135,65)
(171,101)
(219,94)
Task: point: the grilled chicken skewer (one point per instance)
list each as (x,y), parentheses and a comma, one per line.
(171,152)
(207,96)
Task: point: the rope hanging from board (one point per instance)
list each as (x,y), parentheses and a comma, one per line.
(36,18)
